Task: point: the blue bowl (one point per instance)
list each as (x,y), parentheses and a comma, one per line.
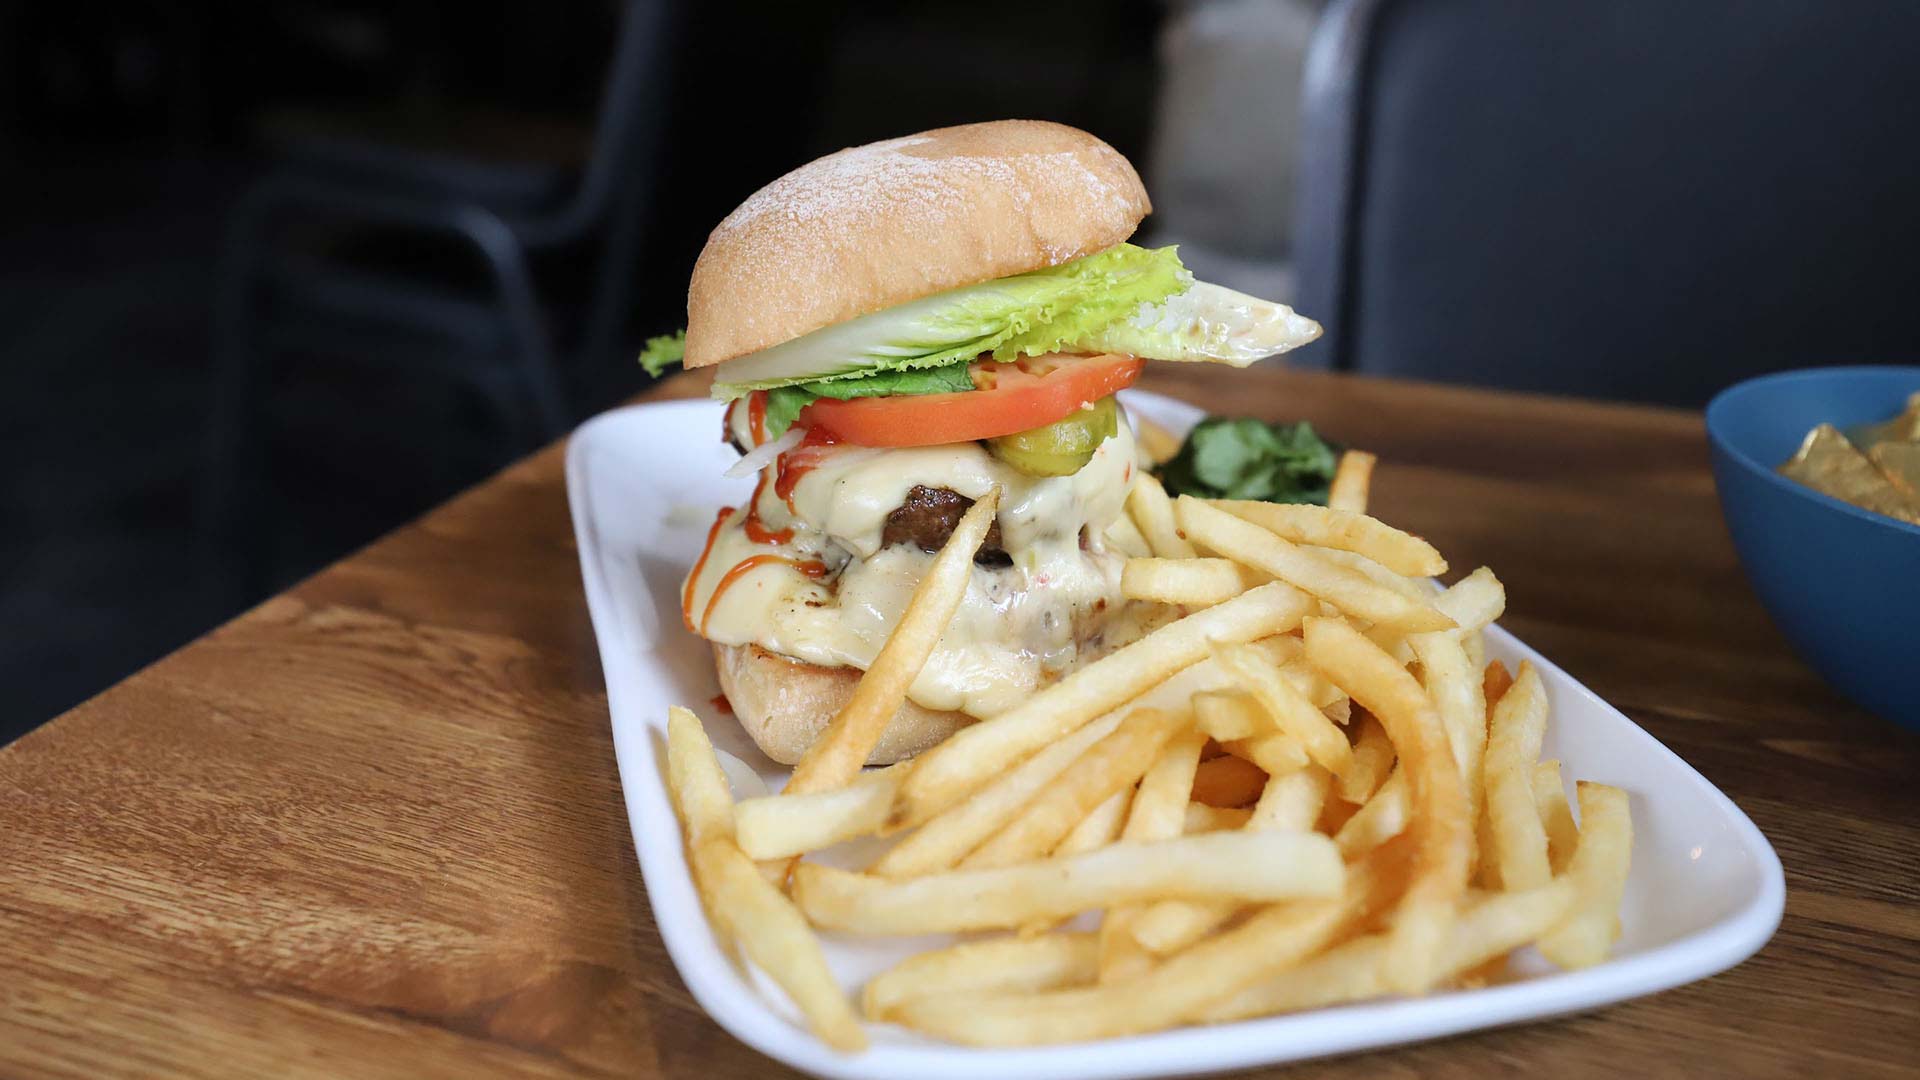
(1841,583)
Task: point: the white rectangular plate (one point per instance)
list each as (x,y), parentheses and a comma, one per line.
(1705,892)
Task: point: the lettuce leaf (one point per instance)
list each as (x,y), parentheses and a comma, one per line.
(663,352)
(949,379)
(1206,322)
(783,408)
(785,402)
(1023,315)
(1115,290)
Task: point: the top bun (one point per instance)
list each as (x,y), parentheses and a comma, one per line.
(877,225)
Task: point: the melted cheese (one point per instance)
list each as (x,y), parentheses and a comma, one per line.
(1017,628)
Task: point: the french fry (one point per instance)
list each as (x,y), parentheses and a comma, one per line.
(1290,803)
(1495,684)
(1329,698)
(1249,544)
(1153,513)
(1203,818)
(1492,925)
(1439,823)
(694,779)
(1291,711)
(1188,582)
(1226,715)
(698,789)
(1459,697)
(1391,642)
(949,771)
(1419,590)
(1159,812)
(1372,761)
(837,755)
(772,934)
(1514,734)
(1108,766)
(1242,865)
(1160,804)
(1302,523)
(1493,970)
(1004,964)
(1352,482)
(1284,650)
(1184,986)
(1449,677)
(1379,819)
(1286,653)
(1095,831)
(1228,781)
(1598,871)
(1156,442)
(1123,536)
(941,843)
(1475,644)
(748,910)
(782,826)
(1556,817)
(1099,828)
(1473,602)
(1276,752)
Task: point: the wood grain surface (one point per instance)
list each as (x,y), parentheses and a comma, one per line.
(372,827)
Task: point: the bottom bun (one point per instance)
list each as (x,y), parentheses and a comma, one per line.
(784,705)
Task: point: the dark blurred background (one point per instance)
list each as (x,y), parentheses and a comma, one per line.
(275,278)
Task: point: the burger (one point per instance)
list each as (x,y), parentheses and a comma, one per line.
(897,329)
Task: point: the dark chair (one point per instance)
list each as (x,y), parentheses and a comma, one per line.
(500,345)
(1622,198)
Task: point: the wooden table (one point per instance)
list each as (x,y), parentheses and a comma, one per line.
(372,827)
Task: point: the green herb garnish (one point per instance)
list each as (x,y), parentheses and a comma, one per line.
(1251,459)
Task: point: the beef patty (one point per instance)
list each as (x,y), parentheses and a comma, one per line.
(928,518)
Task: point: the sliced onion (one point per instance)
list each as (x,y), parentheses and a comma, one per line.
(762,456)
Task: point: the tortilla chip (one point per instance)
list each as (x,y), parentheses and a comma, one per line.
(1828,463)
(1900,464)
(1904,428)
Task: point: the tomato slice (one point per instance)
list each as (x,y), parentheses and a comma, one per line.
(1011,397)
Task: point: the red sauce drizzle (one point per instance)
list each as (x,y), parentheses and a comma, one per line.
(800,461)
(757,530)
(686,593)
(757,416)
(813,568)
(721,704)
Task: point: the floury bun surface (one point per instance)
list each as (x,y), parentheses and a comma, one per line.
(878,225)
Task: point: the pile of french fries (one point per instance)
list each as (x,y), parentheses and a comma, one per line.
(1305,787)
